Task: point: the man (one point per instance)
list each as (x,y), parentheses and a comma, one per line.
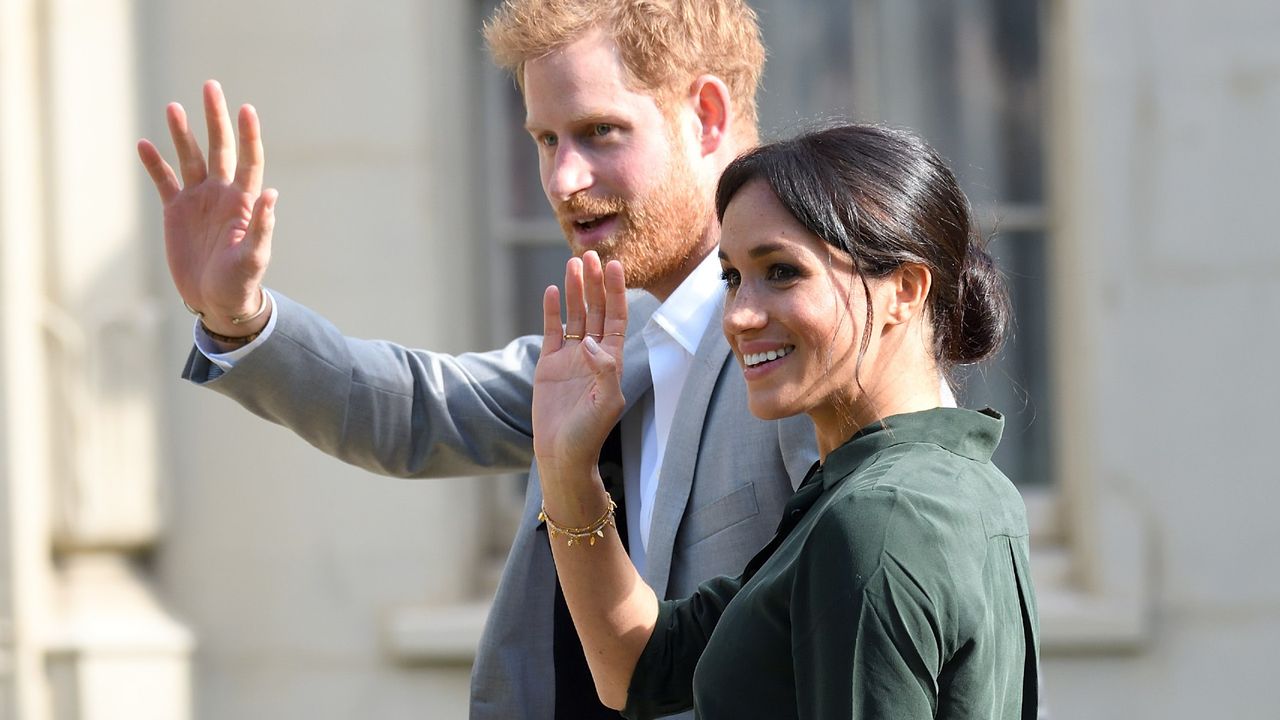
(636,107)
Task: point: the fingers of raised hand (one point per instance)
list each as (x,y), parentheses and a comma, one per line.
(222,153)
(615,305)
(249,165)
(162,175)
(593,281)
(552,330)
(574,304)
(190,160)
(602,363)
(261,224)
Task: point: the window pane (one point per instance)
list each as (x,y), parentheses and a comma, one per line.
(966,75)
(1016,383)
(523,182)
(536,267)
(810,66)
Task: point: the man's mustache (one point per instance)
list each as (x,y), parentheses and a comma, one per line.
(580,205)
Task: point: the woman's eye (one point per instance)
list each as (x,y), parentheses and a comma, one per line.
(782,273)
(731,278)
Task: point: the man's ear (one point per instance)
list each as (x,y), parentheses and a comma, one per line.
(714,111)
(909,289)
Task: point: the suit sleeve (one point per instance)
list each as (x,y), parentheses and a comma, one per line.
(662,682)
(383,407)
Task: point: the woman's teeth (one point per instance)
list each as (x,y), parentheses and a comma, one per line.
(753,359)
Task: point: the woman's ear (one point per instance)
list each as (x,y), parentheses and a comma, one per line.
(714,111)
(909,289)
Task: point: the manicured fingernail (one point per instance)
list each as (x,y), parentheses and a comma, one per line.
(590,344)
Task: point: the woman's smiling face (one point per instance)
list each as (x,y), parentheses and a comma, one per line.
(795,311)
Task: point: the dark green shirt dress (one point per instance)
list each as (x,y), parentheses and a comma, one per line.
(897,586)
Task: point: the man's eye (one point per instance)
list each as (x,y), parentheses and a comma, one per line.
(601,129)
(549,140)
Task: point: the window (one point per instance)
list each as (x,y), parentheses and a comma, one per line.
(965,75)
(970,76)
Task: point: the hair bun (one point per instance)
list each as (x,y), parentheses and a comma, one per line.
(982,313)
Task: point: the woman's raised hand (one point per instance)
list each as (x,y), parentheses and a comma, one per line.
(217,218)
(577,393)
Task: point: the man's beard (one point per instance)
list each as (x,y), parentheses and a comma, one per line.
(656,234)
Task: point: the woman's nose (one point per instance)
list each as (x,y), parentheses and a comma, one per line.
(742,313)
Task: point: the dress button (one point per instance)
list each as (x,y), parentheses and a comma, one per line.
(795,514)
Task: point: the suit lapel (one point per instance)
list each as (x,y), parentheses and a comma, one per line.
(676,475)
(636,379)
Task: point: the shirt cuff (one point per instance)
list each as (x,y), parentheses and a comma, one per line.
(228,360)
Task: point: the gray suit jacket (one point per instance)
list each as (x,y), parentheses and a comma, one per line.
(413,413)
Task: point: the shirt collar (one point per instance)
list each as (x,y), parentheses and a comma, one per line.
(969,433)
(687,312)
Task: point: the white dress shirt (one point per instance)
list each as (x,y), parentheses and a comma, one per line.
(672,336)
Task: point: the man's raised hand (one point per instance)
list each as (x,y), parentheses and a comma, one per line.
(217,219)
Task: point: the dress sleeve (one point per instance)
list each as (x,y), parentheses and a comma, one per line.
(662,682)
(866,638)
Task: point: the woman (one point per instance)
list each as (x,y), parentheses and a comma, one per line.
(897,585)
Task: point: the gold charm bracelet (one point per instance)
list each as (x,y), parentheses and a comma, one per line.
(590,532)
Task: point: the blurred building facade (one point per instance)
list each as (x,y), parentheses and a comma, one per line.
(163,554)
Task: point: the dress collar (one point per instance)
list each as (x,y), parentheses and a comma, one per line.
(970,433)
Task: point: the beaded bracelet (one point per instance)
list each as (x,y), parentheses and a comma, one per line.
(590,532)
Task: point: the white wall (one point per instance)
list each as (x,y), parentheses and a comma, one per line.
(1169,125)
(286,564)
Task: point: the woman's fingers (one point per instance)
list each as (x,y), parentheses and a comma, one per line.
(593,278)
(605,367)
(615,307)
(222,152)
(595,302)
(190,160)
(575,310)
(552,330)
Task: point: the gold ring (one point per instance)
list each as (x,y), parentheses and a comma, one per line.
(567,336)
(615,334)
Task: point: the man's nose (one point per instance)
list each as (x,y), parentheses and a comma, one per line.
(570,174)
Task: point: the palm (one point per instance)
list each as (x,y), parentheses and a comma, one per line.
(573,407)
(577,395)
(204,230)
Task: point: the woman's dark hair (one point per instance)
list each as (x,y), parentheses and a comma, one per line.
(885,198)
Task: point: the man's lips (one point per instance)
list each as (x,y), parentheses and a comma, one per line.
(593,230)
(589,223)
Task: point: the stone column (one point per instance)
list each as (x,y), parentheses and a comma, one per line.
(24,448)
(113,651)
